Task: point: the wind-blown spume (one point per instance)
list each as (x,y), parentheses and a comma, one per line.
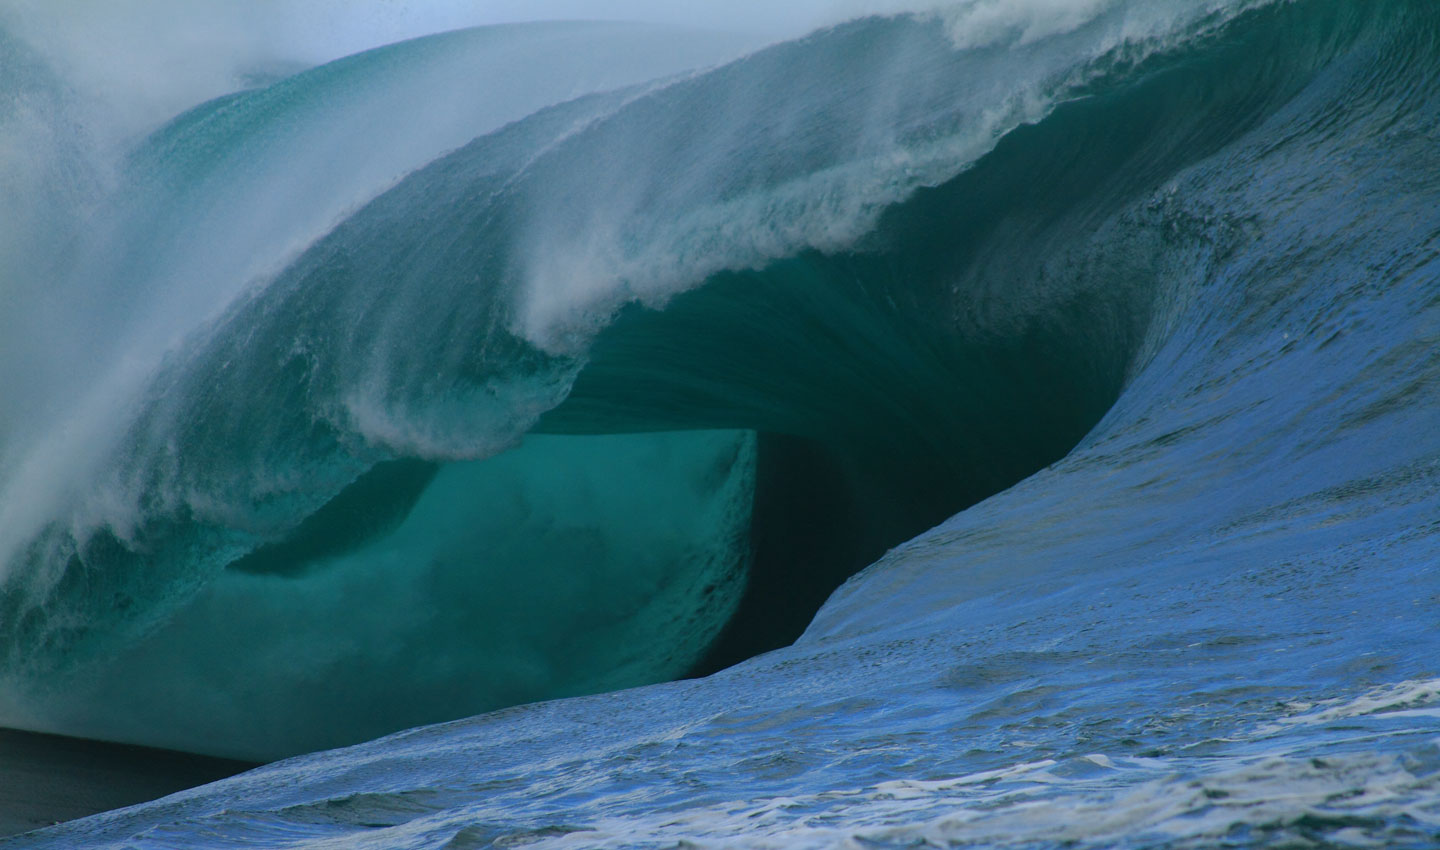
(1198,289)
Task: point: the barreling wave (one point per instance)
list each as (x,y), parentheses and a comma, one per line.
(377,416)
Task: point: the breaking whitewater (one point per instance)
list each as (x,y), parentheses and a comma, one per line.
(1082,358)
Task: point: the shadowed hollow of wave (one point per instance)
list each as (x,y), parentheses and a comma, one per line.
(718,470)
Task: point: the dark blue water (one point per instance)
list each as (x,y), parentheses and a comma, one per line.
(1096,358)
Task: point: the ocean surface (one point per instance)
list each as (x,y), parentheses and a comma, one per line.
(1006,424)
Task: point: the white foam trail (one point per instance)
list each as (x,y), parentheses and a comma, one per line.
(657,231)
(987,22)
(1274,783)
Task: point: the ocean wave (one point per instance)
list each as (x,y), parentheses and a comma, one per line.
(1090,346)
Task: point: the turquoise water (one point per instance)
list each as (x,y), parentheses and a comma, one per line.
(1082,366)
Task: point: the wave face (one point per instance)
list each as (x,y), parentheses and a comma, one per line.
(1103,333)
